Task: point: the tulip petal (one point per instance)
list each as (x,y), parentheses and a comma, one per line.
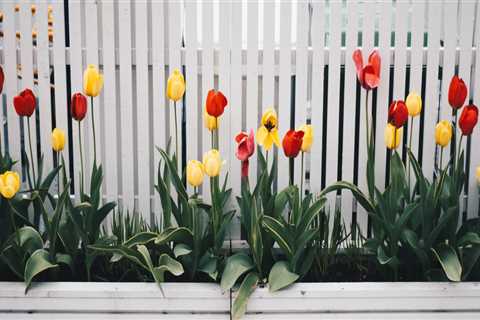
(358,60)
(374,60)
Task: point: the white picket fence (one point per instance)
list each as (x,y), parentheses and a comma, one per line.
(290,55)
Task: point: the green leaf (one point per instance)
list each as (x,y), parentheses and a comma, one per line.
(174,234)
(181,249)
(129,253)
(167,263)
(277,230)
(30,239)
(447,256)
(236,265)
(140,238)
(357,193)
(246,289)
(382,256)
(37,263)
(280,276)
(468,239)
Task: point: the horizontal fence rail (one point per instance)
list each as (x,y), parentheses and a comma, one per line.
(294,56)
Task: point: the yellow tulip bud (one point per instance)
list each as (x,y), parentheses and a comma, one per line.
(414,104)
(393,136)
(9,184)
(478,175)
(211,123)
(267,134)
(195,173)
(175,85)
(92,81)
(58,140)
(212,163)
(443,133)
(307,140)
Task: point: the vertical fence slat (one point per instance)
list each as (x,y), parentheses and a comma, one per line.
(284,85)
(43,68)
(236,101)
(10,70)
(26,72)
(59,73)
(143,129)
(349,108)
(110,100)
(432,86)
(252,77)
(76,70)
(158,90)
(126,101)
(318,43)
(194,111)
(268,75)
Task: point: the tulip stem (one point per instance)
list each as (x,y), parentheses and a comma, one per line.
(367,121)
(176,132)
(31,152)
(441,159)
(81,158)
(266,159)
(410,150)
(94,139)
(459,148)
(301,177)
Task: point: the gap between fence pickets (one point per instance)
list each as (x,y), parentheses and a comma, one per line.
(276,69)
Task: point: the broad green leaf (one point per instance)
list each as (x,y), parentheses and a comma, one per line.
(236,265)
(129,253)
(277,230)
(37,263)
(140,238)
(280,276)
(447,256)
(357,193)
(382,256)
(167,263)
(30,239)
(246,289)
(174,234)
(469,238)
(208,265)
(470,258)
(181,249)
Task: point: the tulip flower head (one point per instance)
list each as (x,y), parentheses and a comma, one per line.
(368,75)
(9,184)
(292,143)
(414,104)
(92,81)
(211,123)
(195,173)
(457,92)
(393,136)
(175,85)
(307,137)
(443,133)
(25,103)
(2,79)
(267,134)
(58,140)
(212,163)
(468,119)
(245,149)
(216,103)
(79,106)
(397,113)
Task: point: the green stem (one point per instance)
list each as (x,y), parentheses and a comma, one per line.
(459,148)
(82,182)
(217,134)
(94,137)
(31,150)
(176,131)
(301,178)
(57,155)
(367,121)
(441,159)
(14,225)
(410,149)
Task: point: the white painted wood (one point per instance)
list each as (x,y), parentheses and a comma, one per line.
(431,90)
(285,91)
(126,102)
(349,110)
(10,86)
(110,129)
(143,128)
(252,79)
(268,77)
(59,72)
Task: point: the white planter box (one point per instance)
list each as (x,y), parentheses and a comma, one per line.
(206,301)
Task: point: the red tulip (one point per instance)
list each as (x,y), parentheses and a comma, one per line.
(468,119)
(79,106)
(216,103)
(369,74)
(245,149)
(25,103)
(2,79)
(292,143)
(457,92)
(397,113)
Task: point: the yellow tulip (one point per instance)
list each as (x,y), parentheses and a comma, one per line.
(58,139)
(392,140)
(212,163)
(9,184)
(267,134)
(195,173)
(211,123)
(92,81)
(443,133)
(414,104)
(307,140)
(175,85)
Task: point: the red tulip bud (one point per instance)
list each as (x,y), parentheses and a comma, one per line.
(457,92)
(397,113)
(79,106)
(216,103)
(292,143)
(25,103)
(468,119)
